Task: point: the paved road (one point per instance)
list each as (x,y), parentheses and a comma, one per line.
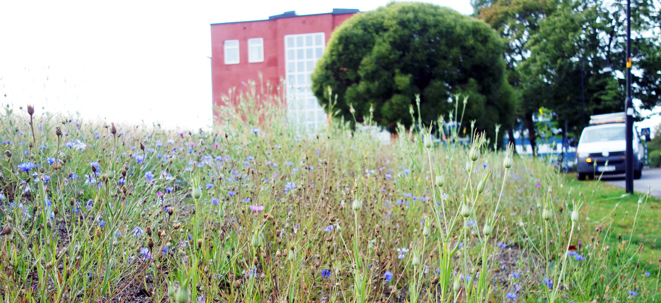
(651,178)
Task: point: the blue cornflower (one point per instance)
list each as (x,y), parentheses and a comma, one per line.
(2,197)
(311,168)
(139,158)
(633,293)
(579,258)
(470,223)
(388,276)
(90,180)
(502,245)
(158,144)
(102,223)
(26,167)
(118,234)
(168,189)
(46,178)
(231,193)
(511,296)
(73,177)
(48,202)
(215,201)
(329,228)
(388,176)
(95,164)
(138,231)
(149,176)
(646,273)
(209,186)
(516,275)
(255,131)
(325,273)
(145,254)
(250,158)
(402,253)
(50,160)
(548,283)
(571,253)
(121,181)
(407,171)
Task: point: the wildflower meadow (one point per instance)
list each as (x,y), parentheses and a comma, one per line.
(258,210)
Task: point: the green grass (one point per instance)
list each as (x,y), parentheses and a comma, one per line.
(611,208)
(256,210)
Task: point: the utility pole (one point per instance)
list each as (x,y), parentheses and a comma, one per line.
(629,110)
(582,95)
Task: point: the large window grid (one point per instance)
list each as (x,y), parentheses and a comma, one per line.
(301,55)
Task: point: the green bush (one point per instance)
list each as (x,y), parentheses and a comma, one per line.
(381,59)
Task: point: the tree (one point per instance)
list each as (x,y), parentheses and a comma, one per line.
(383,58)
(563,40)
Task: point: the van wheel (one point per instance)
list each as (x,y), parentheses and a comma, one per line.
(581,176)
(637,174)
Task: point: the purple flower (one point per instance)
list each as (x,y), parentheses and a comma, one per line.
(145,254)
(538,186)
(388,276)
(215,201)
(138,231)
(149,176)
(402,253)
(329,228)
(548,283)
(257,208)
(325,273)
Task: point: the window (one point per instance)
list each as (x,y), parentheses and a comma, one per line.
(256,50)
(301,55)
(231,51)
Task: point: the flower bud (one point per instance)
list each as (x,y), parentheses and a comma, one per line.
(172,291)
(440,180)
(255,240)
(474,154)
(574,216)
(426,231)
(480,186)
(487,230)
(182,295)
(427,140)
(507,163)
(456,285)
(415,260)
(465,210)
(371,245)
(197,192)
(546,214)
(291,255)
(411,110)
(357,205)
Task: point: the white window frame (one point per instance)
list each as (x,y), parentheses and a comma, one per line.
(227,47)
(254,43)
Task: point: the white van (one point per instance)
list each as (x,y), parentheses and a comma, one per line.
(602,147)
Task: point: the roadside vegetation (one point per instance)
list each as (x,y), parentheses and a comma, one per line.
(256,211)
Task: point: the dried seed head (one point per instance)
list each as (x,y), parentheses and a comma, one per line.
(149,231)
(199,243)
(8,153)
(113,130)
(142,146)
(150,243)
(6,231)
(58,131)
(31,110)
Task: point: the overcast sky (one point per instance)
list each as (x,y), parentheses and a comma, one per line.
(129,61)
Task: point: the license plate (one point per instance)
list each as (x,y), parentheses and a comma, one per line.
(605,168)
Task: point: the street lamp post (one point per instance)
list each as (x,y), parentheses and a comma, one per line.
(629,110)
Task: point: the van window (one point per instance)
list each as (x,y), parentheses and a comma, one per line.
(603,134)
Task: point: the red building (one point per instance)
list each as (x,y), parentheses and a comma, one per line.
(285,46)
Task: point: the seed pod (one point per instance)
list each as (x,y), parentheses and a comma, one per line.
(456,285)
(546,214)
(507,163)
(426,231)
(574,216)
(172,291)
(357,205)
(197,193)
(474,154)
(427,141)
(487,230)
(480,186)
(415,261)
(6,231)
(440,180)
(465,210)
(182,295)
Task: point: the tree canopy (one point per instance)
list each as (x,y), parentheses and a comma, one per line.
(383,58)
